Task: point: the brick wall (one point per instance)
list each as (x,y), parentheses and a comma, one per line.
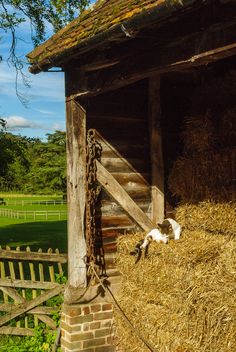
(88,328)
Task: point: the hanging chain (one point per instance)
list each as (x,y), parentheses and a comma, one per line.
(92,192)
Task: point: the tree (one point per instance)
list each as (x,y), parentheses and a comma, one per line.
(40,14)
(2,124)
(14,159)
(48,165)
(30,165)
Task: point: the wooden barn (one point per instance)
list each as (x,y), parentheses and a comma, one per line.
(130,68)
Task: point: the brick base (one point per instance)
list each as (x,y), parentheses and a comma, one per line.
(87,328)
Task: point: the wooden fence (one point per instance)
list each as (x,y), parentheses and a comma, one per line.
(35,202)
(28,280)
(31,214)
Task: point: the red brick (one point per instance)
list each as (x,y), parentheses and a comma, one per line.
(86,310)
(107,323)
(102,332)
(71,311)
(107,306)
(94,342)
(81,319)
(103,316)
(96,308)
(105,349)
(95,325)
(86,327)
(71,345)
(69,328)
(81,336)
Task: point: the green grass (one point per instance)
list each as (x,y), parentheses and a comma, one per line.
(36,234)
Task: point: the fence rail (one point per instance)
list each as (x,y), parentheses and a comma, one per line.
(30,214)
(27,284)
(35,202)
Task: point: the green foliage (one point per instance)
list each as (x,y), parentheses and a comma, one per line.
(31,165)
(40,13)
(42,341)
(43,338)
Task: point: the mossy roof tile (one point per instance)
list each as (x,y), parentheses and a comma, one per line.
(103,16)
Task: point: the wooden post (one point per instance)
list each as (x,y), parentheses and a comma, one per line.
(157,166)
(76,192)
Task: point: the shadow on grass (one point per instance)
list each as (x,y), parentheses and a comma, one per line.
(48,234)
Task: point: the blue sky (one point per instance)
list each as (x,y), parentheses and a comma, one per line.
(46,108)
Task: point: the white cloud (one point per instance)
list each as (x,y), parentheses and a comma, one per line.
(18,122)
(45,112)
(58,127)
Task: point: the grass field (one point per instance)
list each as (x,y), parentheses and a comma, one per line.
(36,234)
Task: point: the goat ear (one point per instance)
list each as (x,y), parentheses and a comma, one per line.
(160,225)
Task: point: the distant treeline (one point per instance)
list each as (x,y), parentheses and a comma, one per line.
(32,165)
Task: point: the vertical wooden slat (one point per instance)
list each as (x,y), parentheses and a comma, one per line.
(76,192)
(3,276)
(51,268)
(33,277)
(156,150)
(41,272)
(21,274)
(11,266)
(60,270)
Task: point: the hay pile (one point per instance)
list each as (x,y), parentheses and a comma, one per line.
(206,168)
(182,297)
(208,216)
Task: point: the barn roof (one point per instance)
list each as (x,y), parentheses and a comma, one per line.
(96,25)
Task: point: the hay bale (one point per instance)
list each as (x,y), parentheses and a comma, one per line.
(203,176)
(208,216)
(228,128)
(199,134)
(182,297)
(206,169)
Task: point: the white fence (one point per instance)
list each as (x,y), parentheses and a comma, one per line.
(35,215)
(34,202)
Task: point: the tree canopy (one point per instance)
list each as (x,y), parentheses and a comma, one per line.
(40,13)
(31,165)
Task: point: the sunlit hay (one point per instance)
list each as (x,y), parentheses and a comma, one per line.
(208,216)
(181,298)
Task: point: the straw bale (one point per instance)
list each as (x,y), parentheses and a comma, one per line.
(204,176)
(199,133)
(181,298)
(208,216)
(227,128)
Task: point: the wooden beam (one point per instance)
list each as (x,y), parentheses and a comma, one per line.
(10,330)
(46,285)
(26,306)
(23,255)
(121,196)
(76,192)
(13,294)
(157,165)
(183,53)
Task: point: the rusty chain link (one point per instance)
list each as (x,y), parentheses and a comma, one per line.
(92,192)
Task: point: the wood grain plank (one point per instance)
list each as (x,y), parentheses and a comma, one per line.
(119,194)
(76,193)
